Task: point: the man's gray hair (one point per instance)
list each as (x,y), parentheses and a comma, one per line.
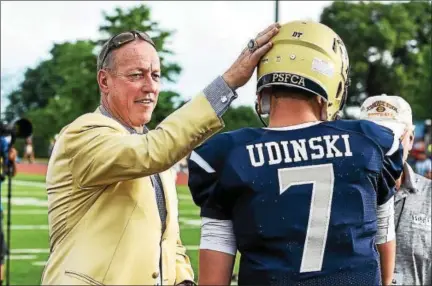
(109,59)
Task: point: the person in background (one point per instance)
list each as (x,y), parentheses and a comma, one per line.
(423,164)
(412,200)
(51,146)
(427,136)
(7,155)
(28,151)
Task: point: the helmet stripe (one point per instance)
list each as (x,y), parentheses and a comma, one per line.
(292,80)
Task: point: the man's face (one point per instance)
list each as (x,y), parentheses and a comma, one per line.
(132,87)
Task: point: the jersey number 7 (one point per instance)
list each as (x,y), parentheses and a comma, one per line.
(322,179)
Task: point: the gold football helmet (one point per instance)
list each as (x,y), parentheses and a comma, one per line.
(309,56)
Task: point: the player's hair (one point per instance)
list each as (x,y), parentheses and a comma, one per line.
(292,92)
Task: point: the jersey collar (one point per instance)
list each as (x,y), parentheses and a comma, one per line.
(293,127)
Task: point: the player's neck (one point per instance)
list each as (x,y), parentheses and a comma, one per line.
(290,112)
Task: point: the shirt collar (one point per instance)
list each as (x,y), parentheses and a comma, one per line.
(131,130)
(410,181)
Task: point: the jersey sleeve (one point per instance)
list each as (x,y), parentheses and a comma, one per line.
(392,152)
(4,152)
(205,166)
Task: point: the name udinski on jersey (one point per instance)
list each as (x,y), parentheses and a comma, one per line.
(299,150)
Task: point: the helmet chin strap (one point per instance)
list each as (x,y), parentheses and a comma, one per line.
(258,112)
(262,120)
(262,106)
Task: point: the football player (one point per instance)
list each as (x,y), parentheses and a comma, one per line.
(307,199)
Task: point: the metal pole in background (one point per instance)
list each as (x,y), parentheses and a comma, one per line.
(277,11)
(8,230)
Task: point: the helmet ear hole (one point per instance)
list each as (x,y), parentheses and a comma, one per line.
(334,45)
(339,90)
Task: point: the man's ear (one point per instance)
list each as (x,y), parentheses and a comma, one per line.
(102,79)
(411,140)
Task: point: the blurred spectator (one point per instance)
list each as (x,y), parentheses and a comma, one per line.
(183,166)
(418,147)
(427,136)
(28,150)
(420,159)
(423,164)
(51,146)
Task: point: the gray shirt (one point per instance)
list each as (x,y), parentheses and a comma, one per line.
(413,230)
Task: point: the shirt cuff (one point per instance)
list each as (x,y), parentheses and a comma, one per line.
(220,95)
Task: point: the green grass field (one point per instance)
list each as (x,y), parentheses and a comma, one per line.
(29,237)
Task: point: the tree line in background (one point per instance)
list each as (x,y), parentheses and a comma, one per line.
(389,46)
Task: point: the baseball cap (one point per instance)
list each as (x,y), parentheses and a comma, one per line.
(390,111)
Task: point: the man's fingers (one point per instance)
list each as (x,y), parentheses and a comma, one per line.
(269,28)
(262,40)
(242,69)
(258,54)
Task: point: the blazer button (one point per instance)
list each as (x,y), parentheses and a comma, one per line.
(155,275)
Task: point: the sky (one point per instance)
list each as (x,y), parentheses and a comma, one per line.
(208,37)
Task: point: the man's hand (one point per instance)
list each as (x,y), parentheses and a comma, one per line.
(12,160)
(243,68)
(12,154)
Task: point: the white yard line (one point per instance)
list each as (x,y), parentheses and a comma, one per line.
(29,227)
(29,250)
(28,212)
(22,257)
(39,263)
(28,183)
(27,194)
(190,222)
(26,201)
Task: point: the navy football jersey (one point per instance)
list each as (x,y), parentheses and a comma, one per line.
(302,200)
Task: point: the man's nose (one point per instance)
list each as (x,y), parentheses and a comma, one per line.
(149,85)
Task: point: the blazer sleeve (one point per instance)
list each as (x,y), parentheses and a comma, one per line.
(101,154)
(184,269)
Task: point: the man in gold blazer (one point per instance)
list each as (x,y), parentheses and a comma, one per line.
(112,202)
